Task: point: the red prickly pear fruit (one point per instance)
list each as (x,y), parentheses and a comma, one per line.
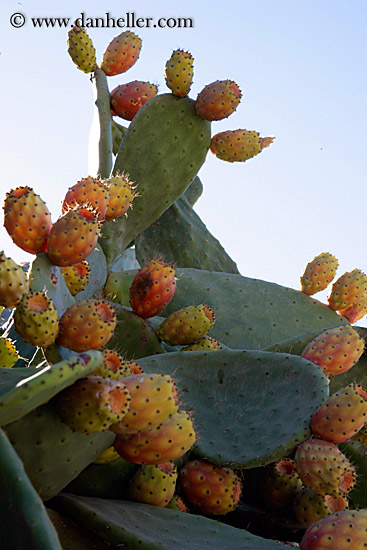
(107,456)
(121,54)
(153,288)
(277,484)
(27,219)
(205,344)
(209,489)
(238,145)
(122,193)
(355,312)
(91,404)
(309,507)
(218,100)
(76,276)
(348,290)
(127,99)
(73,237)
(168,441)
(179,72)
(335,350)
(324,468)
(88,324)
(187,325)
(153,484)
(13,282)
(153,400)
(89,192)
(319,273)
(81,49)
(342,415)
(8,353)
(344,530)
(36,319)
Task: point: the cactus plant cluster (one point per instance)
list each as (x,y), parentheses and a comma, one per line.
(150,395)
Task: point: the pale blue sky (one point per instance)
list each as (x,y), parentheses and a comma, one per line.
(300,65)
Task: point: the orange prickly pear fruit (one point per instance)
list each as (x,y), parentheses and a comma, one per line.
(127,99)
(205,344)
(89,192)
(345,530)
(153,484)
(179,72)
(355,312)
(209,489)
(73,237)
(187,325)
(153,288)
(319,273)
(121,54)
(122,194)
(218,100)
(13,282)
(361,436)
(36,319)
(238,145)
(27,219)
(309,507)
(8,353)
(76,276)
(335,350)
(81,49)
(88,324)
(177,504)
(348,290)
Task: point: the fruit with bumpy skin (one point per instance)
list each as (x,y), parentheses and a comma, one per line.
(348,290)
(309,507)
(73,237)
(238,145)
(88,324)
(121,54)
(324,468)
(319,273)
(168,441)
(76,276)
(209,489)
(177,504)
(8,353)
(27,219)
(179,72)
(81,49)
(153,484)
(355,312)
(122,193)
(218,100)
(361,436)
(278,483)
(153,288)
(107,456)
(92,404)
(205,344)
(335,350)
(342,415)
(113,365)
(36,319)
(153,400)
(127,99)
(89,192)
(344,530)
(187,325)
(13,282)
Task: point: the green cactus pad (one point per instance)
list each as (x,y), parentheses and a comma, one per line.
(98,274)
(117,287)
(249,408)
(74,537)
(134,525)
(118,132)
(194,191)
(162,151)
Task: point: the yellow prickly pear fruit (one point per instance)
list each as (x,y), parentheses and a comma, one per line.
(13,282)
(319,273)
(76,276)
(355,312)
(187,325)
(179,72)
(205,344)
(81,49)
(113,366)
(238,145)
(154,484)
(122,193)
(109,455)
(348,290)
(8,353)
(36,319)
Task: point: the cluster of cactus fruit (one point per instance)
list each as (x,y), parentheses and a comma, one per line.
(118,410)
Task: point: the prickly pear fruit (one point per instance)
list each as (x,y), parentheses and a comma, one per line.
(324,468)
(76,276)
(335,350)
(309,507)
(344,530)
(81,49)
(91,404)
(73,237)
(153,288)
(153,400)
(107,456)
(278,483)
(27,219)
(361,436)
(238,145)
(13,282)
(177,504)
(168,441)
(153,484)
(8,353)
(88,324)
(89,192)
(113,365)
(342,415)
(348,290)
(121,54)
(319,273)
(187,325)
(218,100)
(36,319)
(127,99)
(209,489)
(205,344)
(179,72)
(355,312)
(122,193)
